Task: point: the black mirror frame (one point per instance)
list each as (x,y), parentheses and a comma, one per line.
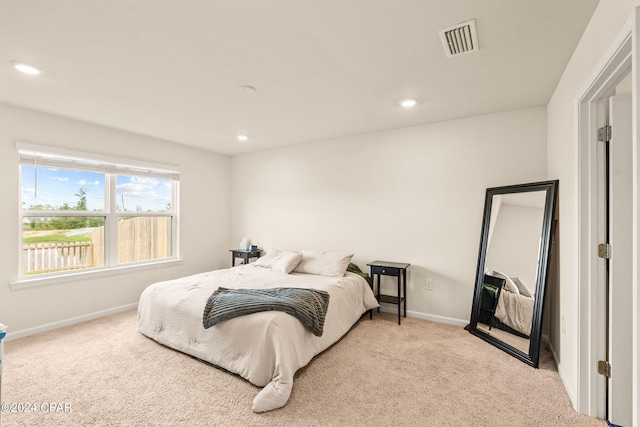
(551,189)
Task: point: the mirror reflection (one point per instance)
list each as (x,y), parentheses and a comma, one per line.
(512,267)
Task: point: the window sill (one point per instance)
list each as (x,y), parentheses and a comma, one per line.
(91,274)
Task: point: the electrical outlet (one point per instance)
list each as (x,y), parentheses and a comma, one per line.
(562,326)
(428,284)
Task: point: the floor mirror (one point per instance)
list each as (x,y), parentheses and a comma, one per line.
(513,267)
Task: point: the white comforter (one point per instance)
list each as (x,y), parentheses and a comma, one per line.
(515,311)
(266,348)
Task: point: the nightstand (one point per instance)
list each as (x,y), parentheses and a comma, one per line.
(395,269)
(245,254)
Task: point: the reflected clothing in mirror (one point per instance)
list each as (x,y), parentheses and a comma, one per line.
(513,264)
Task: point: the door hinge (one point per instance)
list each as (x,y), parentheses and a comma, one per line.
(604,368)
(604,250)
(604,133)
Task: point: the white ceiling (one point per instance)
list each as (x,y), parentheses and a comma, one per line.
(322,68)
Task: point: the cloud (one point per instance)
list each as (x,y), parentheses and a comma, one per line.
(132,188)
(142,186)
(59,178)
(83,182)
(145,193)
(151,182)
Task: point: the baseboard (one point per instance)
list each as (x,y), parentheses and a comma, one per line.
(559,367)
(432,317)
(68,322)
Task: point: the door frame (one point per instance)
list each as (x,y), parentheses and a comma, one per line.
(620,59)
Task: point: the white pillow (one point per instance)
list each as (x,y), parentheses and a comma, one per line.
(509,285)
(287,262)
(269,259)
(278,260)
(322,263)
(522,287)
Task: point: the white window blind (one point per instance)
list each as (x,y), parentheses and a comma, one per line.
(52,157)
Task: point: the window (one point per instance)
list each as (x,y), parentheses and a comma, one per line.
(80,211)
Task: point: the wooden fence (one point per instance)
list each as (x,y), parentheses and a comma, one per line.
(139,239)
(47,257)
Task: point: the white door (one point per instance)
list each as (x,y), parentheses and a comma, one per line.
(619,389)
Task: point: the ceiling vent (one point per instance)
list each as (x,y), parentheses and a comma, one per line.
(459,39)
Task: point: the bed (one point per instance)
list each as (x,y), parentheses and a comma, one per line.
(515,304)
(266,348)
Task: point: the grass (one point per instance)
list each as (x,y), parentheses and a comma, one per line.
(56,238)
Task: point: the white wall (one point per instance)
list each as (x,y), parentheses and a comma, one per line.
(605,24)
(409,195)
(204,220)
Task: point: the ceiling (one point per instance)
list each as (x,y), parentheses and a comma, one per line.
(322,69)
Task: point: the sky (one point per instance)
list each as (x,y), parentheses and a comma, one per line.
(54,187)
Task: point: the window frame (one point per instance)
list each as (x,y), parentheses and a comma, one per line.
(46,156)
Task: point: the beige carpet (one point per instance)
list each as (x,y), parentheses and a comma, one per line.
(418,374)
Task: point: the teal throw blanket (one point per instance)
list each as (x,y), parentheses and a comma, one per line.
(307,305)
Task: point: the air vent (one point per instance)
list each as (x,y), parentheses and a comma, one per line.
(459,39)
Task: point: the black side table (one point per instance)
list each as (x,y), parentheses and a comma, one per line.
(245,254)
(396,269)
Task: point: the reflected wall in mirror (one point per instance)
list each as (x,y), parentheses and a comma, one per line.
(513,267)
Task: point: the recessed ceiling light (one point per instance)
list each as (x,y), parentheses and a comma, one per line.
(242,138)
(246,89)
(26,68)
(408,103)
